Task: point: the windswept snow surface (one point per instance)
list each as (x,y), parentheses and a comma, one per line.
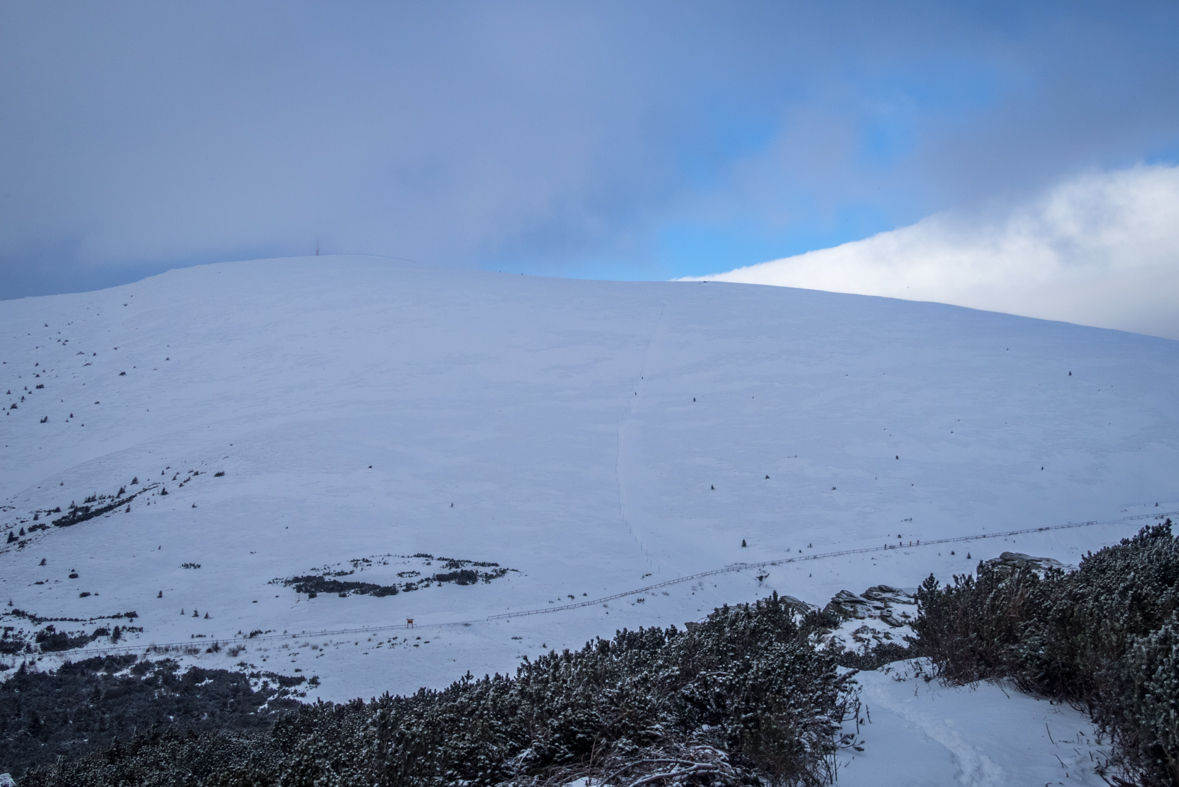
(594,436)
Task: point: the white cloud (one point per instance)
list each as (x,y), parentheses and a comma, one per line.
(1101,249)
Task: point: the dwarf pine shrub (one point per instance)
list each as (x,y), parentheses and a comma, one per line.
(741,696)
(87,705)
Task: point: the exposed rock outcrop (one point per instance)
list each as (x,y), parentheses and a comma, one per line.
(1010,562)
(876,602)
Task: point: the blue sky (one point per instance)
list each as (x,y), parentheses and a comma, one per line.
(603,140)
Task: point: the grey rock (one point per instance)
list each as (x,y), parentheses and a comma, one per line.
(1010,562)
(846,604)
(895,619)
(891,595)
(798,605)
(877,602)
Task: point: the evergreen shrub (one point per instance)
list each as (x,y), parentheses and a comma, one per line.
(739,698)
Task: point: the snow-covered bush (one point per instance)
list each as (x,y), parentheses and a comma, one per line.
(86,705)
(742,696)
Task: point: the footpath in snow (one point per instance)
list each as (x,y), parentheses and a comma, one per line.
(924,734)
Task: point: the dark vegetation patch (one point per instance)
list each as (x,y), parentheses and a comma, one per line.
(87,705)
(313,585)
(875,656)
(13,642)
(1104,638)
(38,620)
(95,506)
(327,580)
(740,697)
(50,640)
(16,640)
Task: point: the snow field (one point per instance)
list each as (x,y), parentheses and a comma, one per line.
(597,437)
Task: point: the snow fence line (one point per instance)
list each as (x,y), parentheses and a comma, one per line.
(203,644)
(817,556)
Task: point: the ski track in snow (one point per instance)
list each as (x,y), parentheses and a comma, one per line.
(360,407)
(623,430)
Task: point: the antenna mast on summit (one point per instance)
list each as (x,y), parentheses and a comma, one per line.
(317,247)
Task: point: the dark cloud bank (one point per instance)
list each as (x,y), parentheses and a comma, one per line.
(545,137)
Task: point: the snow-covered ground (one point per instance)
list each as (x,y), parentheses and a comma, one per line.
(594,436)
(923,734)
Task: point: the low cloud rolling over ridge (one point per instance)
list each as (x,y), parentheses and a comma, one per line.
(1100,249)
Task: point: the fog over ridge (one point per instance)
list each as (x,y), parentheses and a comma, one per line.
(1101,249)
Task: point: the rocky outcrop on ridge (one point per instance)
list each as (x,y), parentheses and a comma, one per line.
(1010,562)
(876,602)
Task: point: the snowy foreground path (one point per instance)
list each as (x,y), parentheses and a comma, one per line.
(986,735)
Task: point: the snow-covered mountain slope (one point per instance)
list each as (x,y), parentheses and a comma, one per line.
(594,437)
